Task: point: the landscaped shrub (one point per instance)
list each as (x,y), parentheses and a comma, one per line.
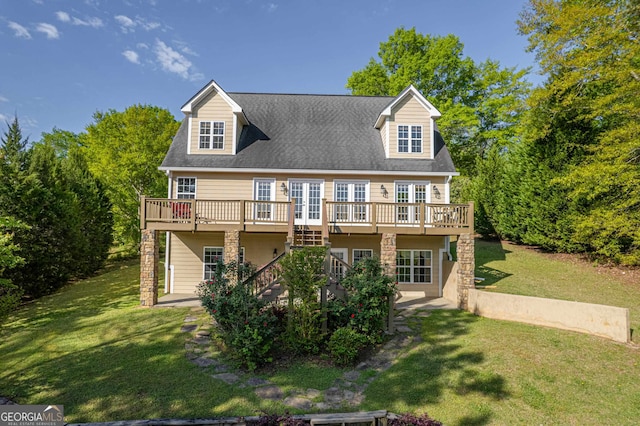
(248,325)
(367,306)
(345,345)
(412,420)
(303,278)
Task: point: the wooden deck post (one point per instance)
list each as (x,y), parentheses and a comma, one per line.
(143,212)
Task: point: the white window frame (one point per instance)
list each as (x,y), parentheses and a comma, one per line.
(355,259)
(214,138)
(411,140)
(186,195)
(413,267)
(266,211)
(208,274)
(410,214)
(351,213)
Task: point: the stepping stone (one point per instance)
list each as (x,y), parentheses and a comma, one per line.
(269,392)
(297,402)
(256,381)
(333,395)
(228,378)
(351,376)
(323,406)
(362,366)
(190,355)
(313,393)
(188,328)
(403,329)
(203,362)
(202,340)
(190,318)
(222,368)
(203,333)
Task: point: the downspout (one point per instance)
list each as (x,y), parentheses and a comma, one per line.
(167,251)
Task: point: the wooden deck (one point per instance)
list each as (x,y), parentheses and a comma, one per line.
(165,214)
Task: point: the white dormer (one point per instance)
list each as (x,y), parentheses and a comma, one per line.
(215,121)
(407,126)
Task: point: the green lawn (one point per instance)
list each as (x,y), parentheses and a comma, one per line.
(92,349)
(518,270)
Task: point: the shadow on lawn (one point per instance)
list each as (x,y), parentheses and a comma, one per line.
(438,366)
(487,251)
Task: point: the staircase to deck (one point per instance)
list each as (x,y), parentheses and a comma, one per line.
(267,281)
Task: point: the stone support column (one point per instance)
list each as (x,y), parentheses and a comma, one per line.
(466,268)
(231,246)
(149,254)
(388,254)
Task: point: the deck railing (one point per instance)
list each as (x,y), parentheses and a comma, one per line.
(179,214)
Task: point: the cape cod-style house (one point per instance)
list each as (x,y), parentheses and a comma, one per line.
(253,174)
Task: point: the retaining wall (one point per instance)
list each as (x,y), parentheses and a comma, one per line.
(601,320)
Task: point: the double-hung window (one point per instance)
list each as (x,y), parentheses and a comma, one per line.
(263,191)
(413,266)
(211,135)
(359,254)
(409,138)
(212,255)
(186,187)
(351,194)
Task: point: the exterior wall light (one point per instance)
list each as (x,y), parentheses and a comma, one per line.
(384,191)
(283,188)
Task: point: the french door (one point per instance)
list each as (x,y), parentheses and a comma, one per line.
(411,193)
(308,197)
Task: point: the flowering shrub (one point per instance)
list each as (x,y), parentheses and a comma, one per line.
(247,324)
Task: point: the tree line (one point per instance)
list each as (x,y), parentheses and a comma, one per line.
(68,199)
(556,166)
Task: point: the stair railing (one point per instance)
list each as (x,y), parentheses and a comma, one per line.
(266,275)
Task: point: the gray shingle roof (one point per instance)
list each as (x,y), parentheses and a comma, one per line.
(308,132)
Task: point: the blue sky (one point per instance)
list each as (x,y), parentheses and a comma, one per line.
(64,60)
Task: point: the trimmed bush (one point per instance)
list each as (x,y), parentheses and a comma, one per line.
(345,345)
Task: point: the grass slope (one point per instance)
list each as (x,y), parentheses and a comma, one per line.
(517,270)
(91,348)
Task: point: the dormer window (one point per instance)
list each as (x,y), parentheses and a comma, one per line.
(211,135)
(409,138)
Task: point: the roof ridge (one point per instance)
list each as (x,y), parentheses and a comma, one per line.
(309,94)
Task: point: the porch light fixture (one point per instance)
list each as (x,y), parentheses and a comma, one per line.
(436,192)
(283,188)
(275,250)
(384,191)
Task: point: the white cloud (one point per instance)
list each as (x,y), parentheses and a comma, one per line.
(49,30)
(4,118)
(3,99)
(147,25)
(172,61)
(126,23)
(19,31)
(90,22)
(63,16)
(271,7)
(142,46)
(131,56)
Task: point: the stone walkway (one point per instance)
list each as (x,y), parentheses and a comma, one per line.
(345,393)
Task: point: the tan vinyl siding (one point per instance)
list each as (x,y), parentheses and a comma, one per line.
(239,186)
(383,135)
(258,248)
(409,112)
(212,108)
(187,251)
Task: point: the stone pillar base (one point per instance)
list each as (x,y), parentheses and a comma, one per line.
(466,268)
(149,254)
(388,254)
